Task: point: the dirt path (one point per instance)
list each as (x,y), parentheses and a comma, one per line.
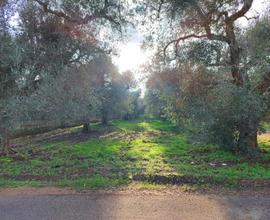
(56,204)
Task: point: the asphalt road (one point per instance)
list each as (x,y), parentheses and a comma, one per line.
(130,205)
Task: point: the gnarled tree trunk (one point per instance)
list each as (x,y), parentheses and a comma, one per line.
(248,143)
(5,142)
(247,131)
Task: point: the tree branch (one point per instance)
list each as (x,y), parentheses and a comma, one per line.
(82,20)
(206,25)
(249,18)
(209,36)
(159,7)
(177,41)
(46,9)
(245,8)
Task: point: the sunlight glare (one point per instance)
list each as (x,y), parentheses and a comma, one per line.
(131,57)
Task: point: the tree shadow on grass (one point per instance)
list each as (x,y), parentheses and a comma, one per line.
(146,151)
(169,159)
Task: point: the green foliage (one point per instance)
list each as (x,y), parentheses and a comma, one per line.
(212,109)
(228,108)
(266,126)
(256,41)
(154,103)
(196,91)
(202,52)
(57,72)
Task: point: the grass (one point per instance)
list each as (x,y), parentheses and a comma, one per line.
(146,153)
(266,126)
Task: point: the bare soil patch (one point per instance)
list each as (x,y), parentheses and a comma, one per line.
(60,135)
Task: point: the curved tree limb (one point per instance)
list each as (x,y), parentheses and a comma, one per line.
(245,8)
(177,41)
(209,36)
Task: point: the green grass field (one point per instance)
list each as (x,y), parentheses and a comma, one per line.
(144,153)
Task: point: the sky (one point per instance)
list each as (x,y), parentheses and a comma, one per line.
(257,7)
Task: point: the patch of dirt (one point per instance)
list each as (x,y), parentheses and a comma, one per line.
(261,162)
(28,176)
(265,136)
(74,137)
(35,177)
(60,135)
(73,174)
(243,186)
(254,183)
(122,135)
(154,133)
(26,191)
(39,153)
(11,152)
(174,179)
(130,190)
(70,174)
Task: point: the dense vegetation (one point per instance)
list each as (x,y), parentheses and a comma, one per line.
(215,78)
(207,87)
(55,75)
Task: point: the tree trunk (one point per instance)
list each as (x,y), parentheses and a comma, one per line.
(235,53)
(86,127)
(104,120)
(6,149)
(248,143)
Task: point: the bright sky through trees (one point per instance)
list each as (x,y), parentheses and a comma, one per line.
(131,56)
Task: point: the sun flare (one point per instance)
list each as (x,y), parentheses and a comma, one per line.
(131,57)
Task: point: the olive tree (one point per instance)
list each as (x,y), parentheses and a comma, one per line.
(215,21)
(51,39)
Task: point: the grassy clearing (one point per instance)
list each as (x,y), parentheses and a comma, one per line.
(146,153)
